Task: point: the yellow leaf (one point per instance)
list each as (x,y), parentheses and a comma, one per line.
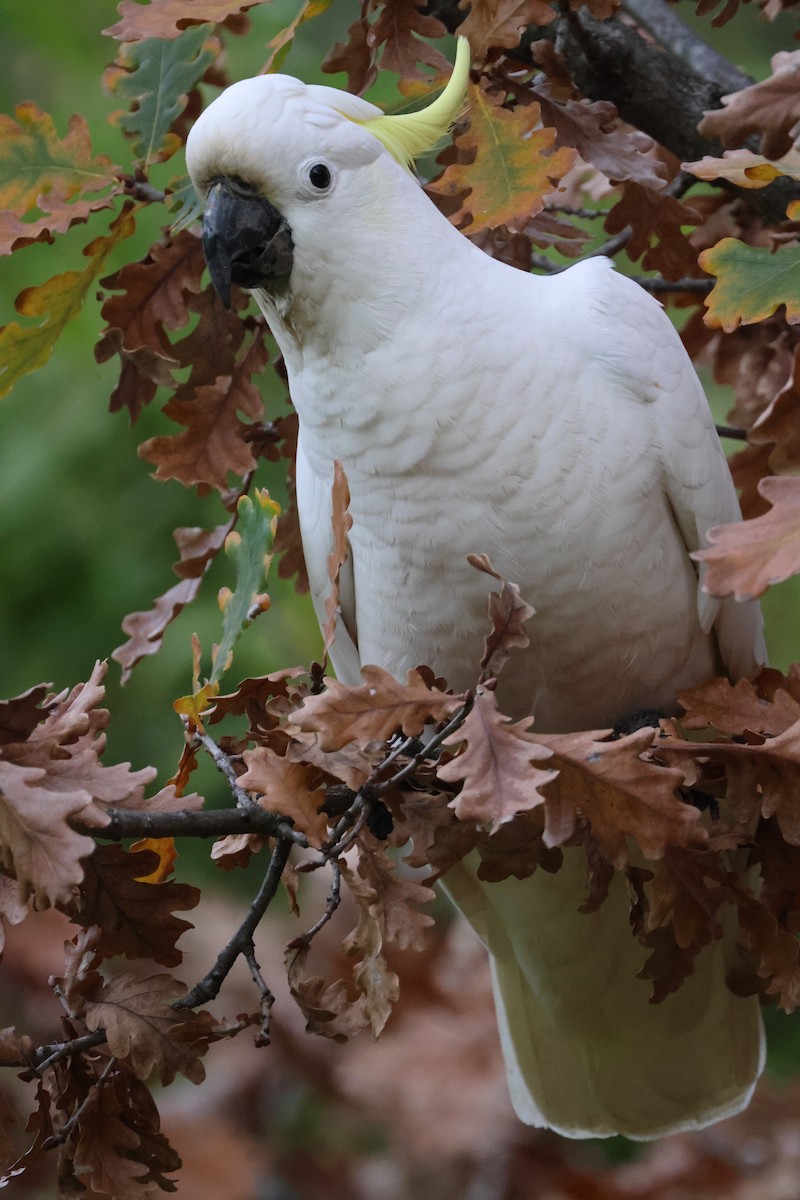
(165,849)
(34,161)
(195,705)
(514,168)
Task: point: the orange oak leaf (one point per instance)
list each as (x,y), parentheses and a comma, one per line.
(744,559)
(498,766)
(37,168)
(512,166)
(499,24)
(289,788)
(137,1019)
(136,918)
(374,710)
(169,18)
(619,793)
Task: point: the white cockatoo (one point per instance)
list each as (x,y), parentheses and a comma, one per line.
(555,424)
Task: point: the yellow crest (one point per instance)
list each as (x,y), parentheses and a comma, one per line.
(410,134)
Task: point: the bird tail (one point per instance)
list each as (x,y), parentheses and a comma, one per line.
(586,1053)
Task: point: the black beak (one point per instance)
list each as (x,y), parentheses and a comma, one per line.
(245,239)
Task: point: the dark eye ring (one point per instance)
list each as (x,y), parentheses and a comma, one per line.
(319,176)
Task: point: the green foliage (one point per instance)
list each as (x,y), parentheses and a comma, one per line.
(752,282)
(249,546)
(154,79)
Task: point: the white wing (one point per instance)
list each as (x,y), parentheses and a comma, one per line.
(652,363)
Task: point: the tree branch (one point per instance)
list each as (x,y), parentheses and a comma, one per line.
(216,822)
(242,940)
(663,89)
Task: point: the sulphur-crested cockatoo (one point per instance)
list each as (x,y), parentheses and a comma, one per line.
(555,424)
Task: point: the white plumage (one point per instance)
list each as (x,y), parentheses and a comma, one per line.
(555,424)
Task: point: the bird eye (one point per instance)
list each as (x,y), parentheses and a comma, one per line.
(319,175)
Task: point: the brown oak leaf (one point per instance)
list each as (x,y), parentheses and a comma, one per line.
(37,844)
(214,441)
(374,710)
(136,918)
(341,524)
(395,899)
(778,951)
(289,788)
(779,424)
(593,129)
(137,1019)
(379,986)
(169,18)
(399,29)
(744,559)
(619,793)
(517,849)
(770,109)
(146,629)
(496,767)
(499,24)
(355,56)
(328,1008)
(656,221)
(734,708)
(508,612)
(20,715)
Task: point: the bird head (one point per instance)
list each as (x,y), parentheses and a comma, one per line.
(287,170)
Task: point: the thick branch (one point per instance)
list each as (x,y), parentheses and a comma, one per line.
(125,823)
(661,89)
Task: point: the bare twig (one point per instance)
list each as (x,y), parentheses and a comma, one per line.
(58,1139)
(222,762)
(429,749)
(65,1050)
(658,286)
(266,997)
(334,899)
(242,940)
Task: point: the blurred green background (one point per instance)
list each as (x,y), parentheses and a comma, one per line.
(85,533)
